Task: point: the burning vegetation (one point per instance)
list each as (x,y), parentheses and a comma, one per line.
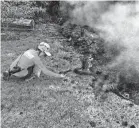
(111,38)
(106,39)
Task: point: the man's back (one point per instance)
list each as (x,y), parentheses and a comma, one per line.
(25,60)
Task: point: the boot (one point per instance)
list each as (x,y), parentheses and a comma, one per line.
(6,75)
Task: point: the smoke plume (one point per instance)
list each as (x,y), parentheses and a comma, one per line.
(87,12)
(118,24)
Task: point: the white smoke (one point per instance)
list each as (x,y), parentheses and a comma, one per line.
(118,24)
(87,12)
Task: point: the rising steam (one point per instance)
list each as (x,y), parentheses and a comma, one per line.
(117,23)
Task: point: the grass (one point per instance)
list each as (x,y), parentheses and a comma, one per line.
(53,103)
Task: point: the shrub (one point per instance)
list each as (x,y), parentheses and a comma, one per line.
(21,10)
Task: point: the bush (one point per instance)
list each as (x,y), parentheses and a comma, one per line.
(21,10)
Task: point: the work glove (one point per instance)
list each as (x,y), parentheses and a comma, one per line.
(62,75)
(65,78)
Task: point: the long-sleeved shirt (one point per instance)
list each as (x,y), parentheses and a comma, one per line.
(30,58)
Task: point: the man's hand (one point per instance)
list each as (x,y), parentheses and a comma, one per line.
(62,76)
(65,78)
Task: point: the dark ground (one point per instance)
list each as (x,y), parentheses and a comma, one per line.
(53,103)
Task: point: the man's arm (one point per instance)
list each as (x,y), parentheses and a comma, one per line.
(39,63)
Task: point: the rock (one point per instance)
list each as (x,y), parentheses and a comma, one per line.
(132,126)
(2,106)
(73,81)
(18,24)
(117,122)
(21,113)
(92,123)
(122,117)
(131,104)
(124,123)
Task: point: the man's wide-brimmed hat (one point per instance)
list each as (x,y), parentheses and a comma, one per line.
(44,47)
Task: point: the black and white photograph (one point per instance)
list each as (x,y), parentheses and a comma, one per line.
(69,64)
